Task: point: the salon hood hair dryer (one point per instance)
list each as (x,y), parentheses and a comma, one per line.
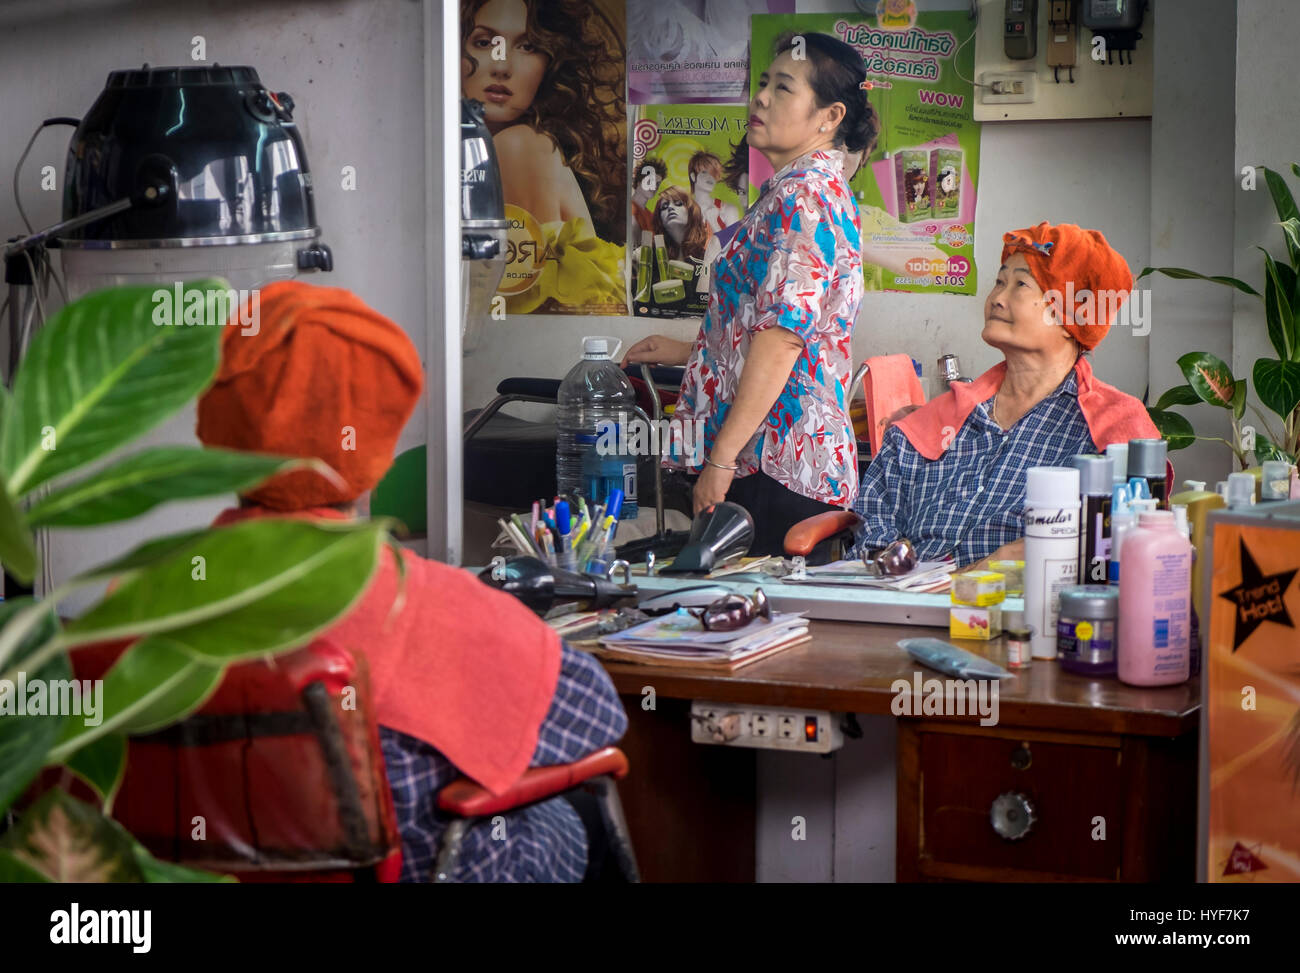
(483,224)
(175,173)
(718,533)
(540,586)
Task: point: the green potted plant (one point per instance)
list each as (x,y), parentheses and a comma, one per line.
(100,374)
(1276,380)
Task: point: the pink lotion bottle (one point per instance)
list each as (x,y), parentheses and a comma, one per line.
(1155,601)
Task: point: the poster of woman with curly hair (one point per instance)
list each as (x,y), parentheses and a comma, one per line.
(550,74)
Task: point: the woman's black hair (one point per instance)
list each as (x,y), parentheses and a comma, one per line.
(837,75)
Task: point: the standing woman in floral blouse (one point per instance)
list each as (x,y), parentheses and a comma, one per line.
(768,375)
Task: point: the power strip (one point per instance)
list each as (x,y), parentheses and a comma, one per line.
(765,727)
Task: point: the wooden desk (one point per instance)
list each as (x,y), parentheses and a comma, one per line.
(1088,754)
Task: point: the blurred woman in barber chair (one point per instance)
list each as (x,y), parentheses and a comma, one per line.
(950,476)
(466,680)
(767,377)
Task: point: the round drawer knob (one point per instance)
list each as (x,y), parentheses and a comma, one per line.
(1012,816)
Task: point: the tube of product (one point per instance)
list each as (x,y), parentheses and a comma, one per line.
(1121,519)
(1051,549)
(643,268)
(661,256)
(1096,476)
(1146,458)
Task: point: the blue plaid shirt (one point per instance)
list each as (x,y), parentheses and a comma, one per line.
(970,501)
(545,842)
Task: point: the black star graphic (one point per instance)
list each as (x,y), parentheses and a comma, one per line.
(1259,598)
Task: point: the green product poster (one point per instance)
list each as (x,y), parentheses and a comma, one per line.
(684,191)
(917,190)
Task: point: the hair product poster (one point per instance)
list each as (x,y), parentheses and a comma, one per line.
(917,190)
(692,51)
(551,76)
(685,189)
(1253,704)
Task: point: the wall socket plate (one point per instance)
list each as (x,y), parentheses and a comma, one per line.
(765,727)
(1008,87)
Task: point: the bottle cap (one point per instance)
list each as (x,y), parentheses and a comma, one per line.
(1052,486)
(1120,498)
(1155,518)
(1275,480)
(1221,488)
(1119,453)
(1089,600)
(596,347)
(1146,457)
(1144,505)
(1196,485)
(1138,488)
(1241,489)
(1180,520)
(1013,621)
(1096,474)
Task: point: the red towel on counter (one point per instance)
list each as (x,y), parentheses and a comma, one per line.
(1112,416)
(462,666)
(889,385)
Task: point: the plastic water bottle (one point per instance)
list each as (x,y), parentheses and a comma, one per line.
(596,406)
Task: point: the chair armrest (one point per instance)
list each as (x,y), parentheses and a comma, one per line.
(533,388)
(467,799)
(807,534)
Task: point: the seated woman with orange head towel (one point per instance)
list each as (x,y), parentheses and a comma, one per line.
(950,476)
(465,679)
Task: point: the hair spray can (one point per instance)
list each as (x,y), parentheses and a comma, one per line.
(1095,477)
(1051,549)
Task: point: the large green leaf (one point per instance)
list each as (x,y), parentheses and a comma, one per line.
(153,684)
(139,483)
(25,739)
(100,374)
(161,872)
(1291,231)
(17,552)
(1178,273)
(267,585)
(13,870)
(1282,331)
(1173,428)
(1178,395)
(1282,202)
(1277,385)
(66,840)
(1210,376)
(101,764)
(1266,449)
(1239,400)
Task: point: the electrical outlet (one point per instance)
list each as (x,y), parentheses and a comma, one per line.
(1008,87)
(765,727)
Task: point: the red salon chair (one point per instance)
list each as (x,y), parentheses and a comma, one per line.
(596,773)
(281,769)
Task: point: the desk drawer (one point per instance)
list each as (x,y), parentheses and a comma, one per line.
(1068,785)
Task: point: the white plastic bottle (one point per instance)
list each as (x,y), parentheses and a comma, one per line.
(1051,549)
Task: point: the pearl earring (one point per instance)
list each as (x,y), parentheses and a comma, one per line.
(822,129)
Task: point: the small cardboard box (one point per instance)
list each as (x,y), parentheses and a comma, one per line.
(970,622)
(978,588)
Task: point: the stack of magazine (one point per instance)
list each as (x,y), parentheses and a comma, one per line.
(680,639)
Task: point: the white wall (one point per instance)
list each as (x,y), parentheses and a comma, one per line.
(1267,133)
(355,71)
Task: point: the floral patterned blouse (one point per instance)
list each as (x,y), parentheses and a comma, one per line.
(794,262)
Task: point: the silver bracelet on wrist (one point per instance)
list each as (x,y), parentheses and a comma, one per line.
(730,469)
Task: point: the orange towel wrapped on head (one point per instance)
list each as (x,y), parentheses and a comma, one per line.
(324,376)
